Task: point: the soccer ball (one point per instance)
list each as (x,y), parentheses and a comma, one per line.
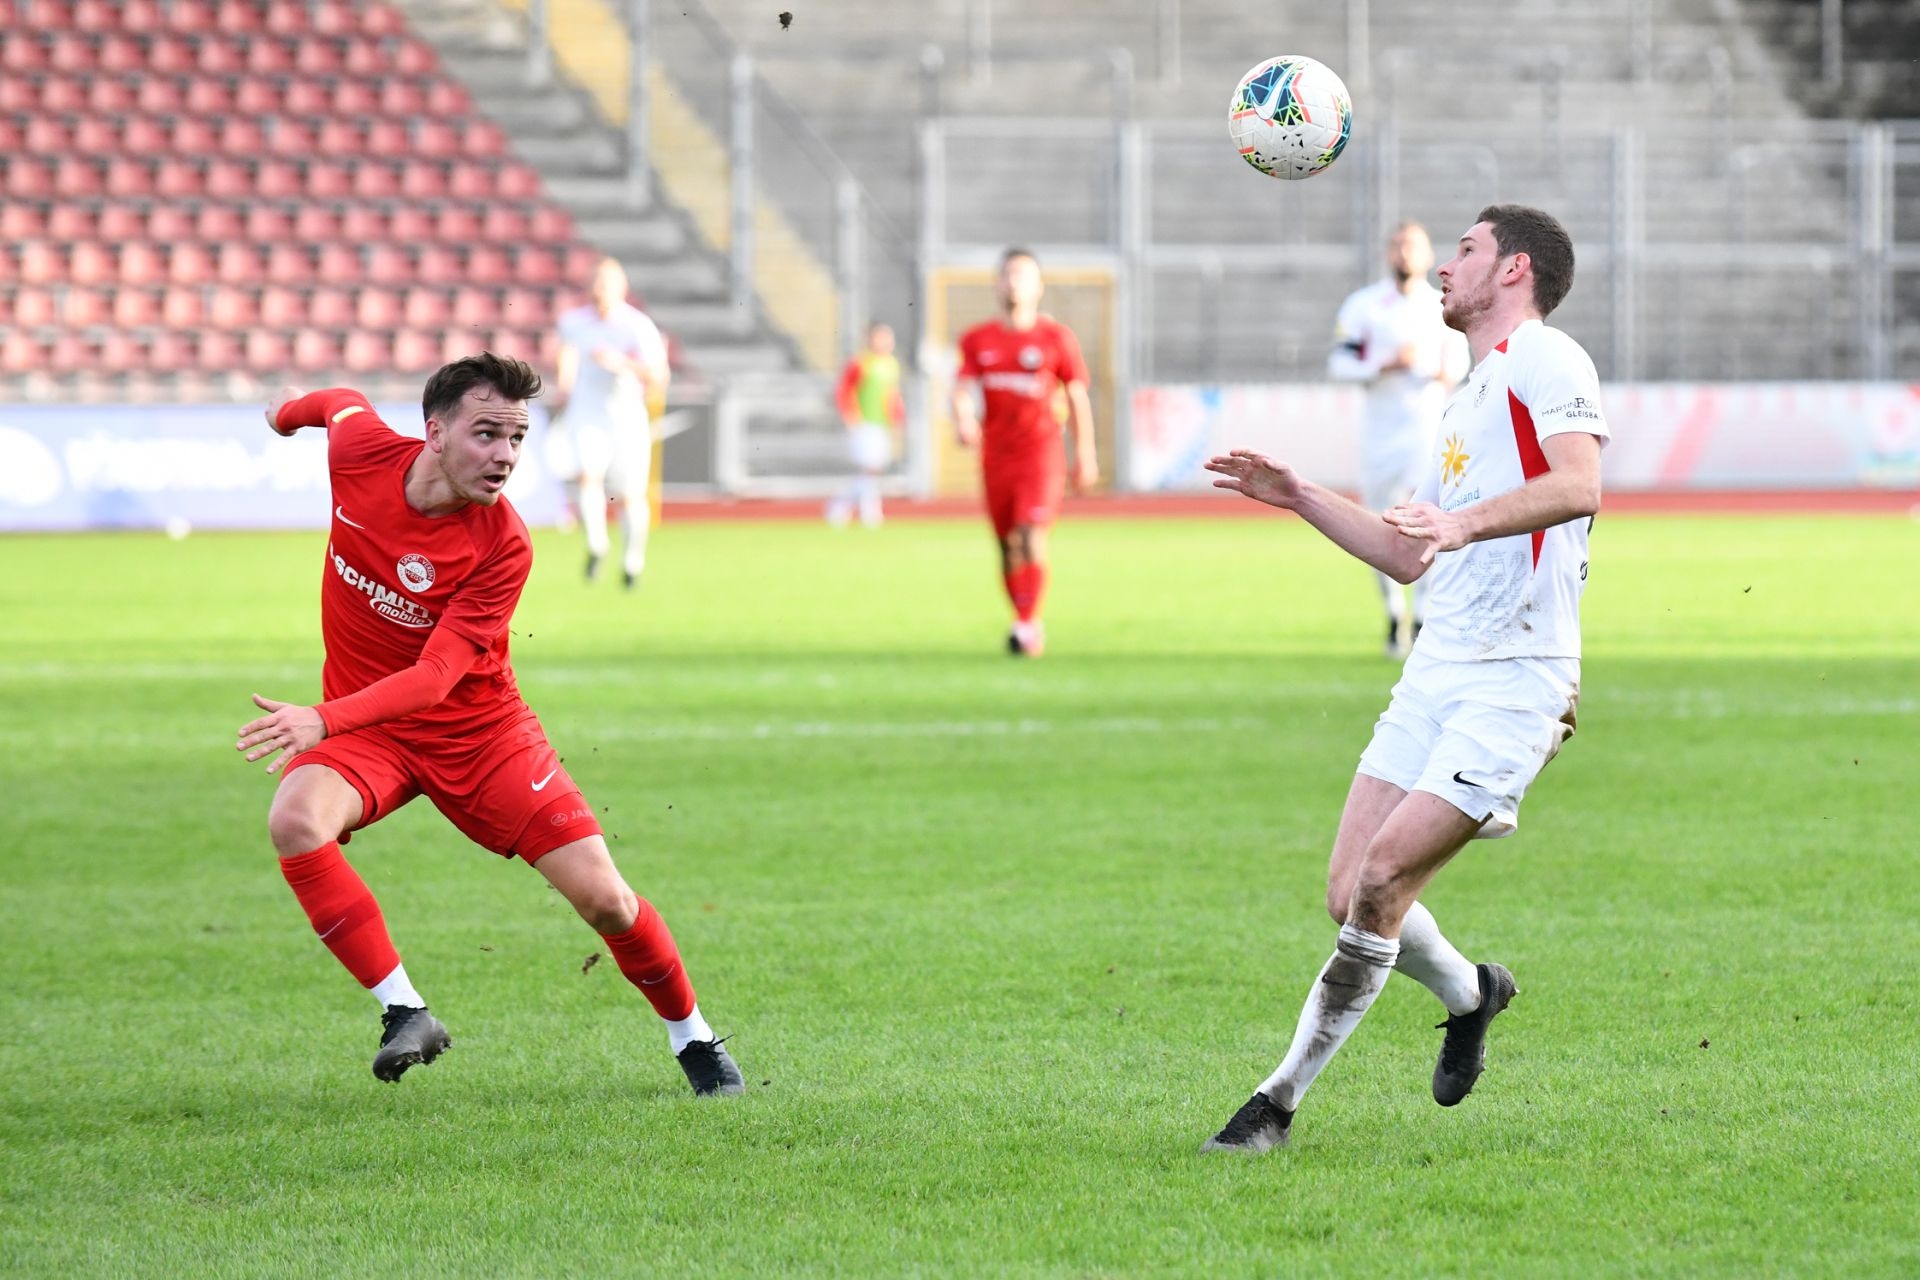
(1290,117)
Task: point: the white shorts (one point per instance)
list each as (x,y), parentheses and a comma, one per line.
(620,457)
(1476,734)
(870,445)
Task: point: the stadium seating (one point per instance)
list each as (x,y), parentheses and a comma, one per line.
(198,188)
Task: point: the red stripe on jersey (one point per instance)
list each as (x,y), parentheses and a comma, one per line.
(1533,461)
(1502,348)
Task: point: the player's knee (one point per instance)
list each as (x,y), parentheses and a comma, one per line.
(297,828)
(608,909)
(1381,893)
(1339,900)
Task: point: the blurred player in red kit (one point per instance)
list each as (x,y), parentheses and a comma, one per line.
(1021,363)
(425,564)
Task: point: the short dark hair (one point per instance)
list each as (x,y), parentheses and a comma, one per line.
(510,379)
(1519,228)
(1019,251)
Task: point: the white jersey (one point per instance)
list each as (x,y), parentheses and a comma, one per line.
(1516,597)
(601,398)
(1403,406)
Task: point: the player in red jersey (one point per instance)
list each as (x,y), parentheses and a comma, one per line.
(426,562)
(1022,363)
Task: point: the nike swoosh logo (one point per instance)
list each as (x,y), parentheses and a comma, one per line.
(329,933)
(1466,782)
(342,516)
(544,781)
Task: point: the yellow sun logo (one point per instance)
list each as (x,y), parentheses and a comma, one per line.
(1453,462)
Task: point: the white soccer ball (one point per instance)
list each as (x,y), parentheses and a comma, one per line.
(1290,117)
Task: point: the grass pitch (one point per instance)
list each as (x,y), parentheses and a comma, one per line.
(1000,943)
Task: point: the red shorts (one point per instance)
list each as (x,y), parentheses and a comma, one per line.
(507,793)
(1024,490)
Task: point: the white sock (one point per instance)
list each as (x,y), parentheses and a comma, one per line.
(1340,997)
(688,1029)
(1430,960)
(396,989)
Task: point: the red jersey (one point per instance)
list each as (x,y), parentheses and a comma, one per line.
(1020,370)
(393,575)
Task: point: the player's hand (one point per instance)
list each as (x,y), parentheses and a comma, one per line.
(1086,473)
(1441,530)
(1258,477)
(286,728)
(967,432)
(286,397)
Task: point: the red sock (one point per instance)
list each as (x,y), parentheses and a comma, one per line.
(343,912)
(1025,586)
(646,954)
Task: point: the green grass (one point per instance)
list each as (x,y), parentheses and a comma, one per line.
(1000,943)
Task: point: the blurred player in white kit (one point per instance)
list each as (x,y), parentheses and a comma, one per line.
(613,367)
(1391,337)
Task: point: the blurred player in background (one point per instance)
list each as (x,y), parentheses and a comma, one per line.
(871,407)
(1020,363)
(1391,337)
(612,379)
(426,562)
(1500,523)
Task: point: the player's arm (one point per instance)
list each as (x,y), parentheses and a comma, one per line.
(846,394)
(1355,530)
(292,729)
(566,371)
(1568,490)
(966,417)
(1348,361)
(1086,458)
(291,410)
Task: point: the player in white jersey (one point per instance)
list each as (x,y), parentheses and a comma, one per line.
(1390,336)
(1500,524)
(613,365)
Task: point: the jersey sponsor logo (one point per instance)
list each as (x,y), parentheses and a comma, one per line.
(416,572)
(1578,407)
(1030,358)
(989,357)
(1453,460)
(340,514)
(385,601)
(1020,384)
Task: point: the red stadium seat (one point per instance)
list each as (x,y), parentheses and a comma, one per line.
(209,96)
(108,96)
(388,138)
(425,309)
(142,263)
(175,179)
(144,136)
(21,353)
(326,180)
(170,222)
(96,135)
(288,19)
(332,309)
(415,352)
(457,344)
(368,223)
(266,222)
(116,353)
(504,224)
(47,136)
(242,137)
(475,308)
(377,19)
(293,138)
(376,309)
(267,56)
(578,261)
(80,308)
(120,223)
(41,263)
(258,96)
(388,264)
(192,136)
(160,96)
(374,180)
(217,351)
(232,180)
(528,308)
(537,265)
(339,264)
(318,57)
(120,55)
(45,15)
(433,138)
(91,262)
(279,309)
(17,93)
(171,55)
(29,178)
(482,140)
(236,17)
(169,352)
(100,15)
(279,180)
(73,53)
(237,264)
(190,15)
(181,307)
(67,353)
(64,93)
(12,136)
(34,308)
(266,351)
(414,58)
(219,222)
(355,98)
(423,180)
(438,264)
(411,224)
(340,137)
(403,98)
(516,181)
(488,264)
(367,352)
(67,222)
(365,58)
(472,182)
(314,98)
(79,178)
(219,56)
(135,308)
(289,264)
(334,18)
(456,224)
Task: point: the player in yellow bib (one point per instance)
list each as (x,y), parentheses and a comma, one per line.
(873,411)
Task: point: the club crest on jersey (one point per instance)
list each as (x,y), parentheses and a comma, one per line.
(416,572)
(1030,357)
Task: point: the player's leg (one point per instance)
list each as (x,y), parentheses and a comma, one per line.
(627,484)
(584,873)
(1416,839)
(873,446)
(1027,585)
(313,807)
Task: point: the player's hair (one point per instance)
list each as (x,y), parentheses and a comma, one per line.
(1019,251)
(510,379)
(1519,228)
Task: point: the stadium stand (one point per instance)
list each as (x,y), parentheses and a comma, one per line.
(201,196)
